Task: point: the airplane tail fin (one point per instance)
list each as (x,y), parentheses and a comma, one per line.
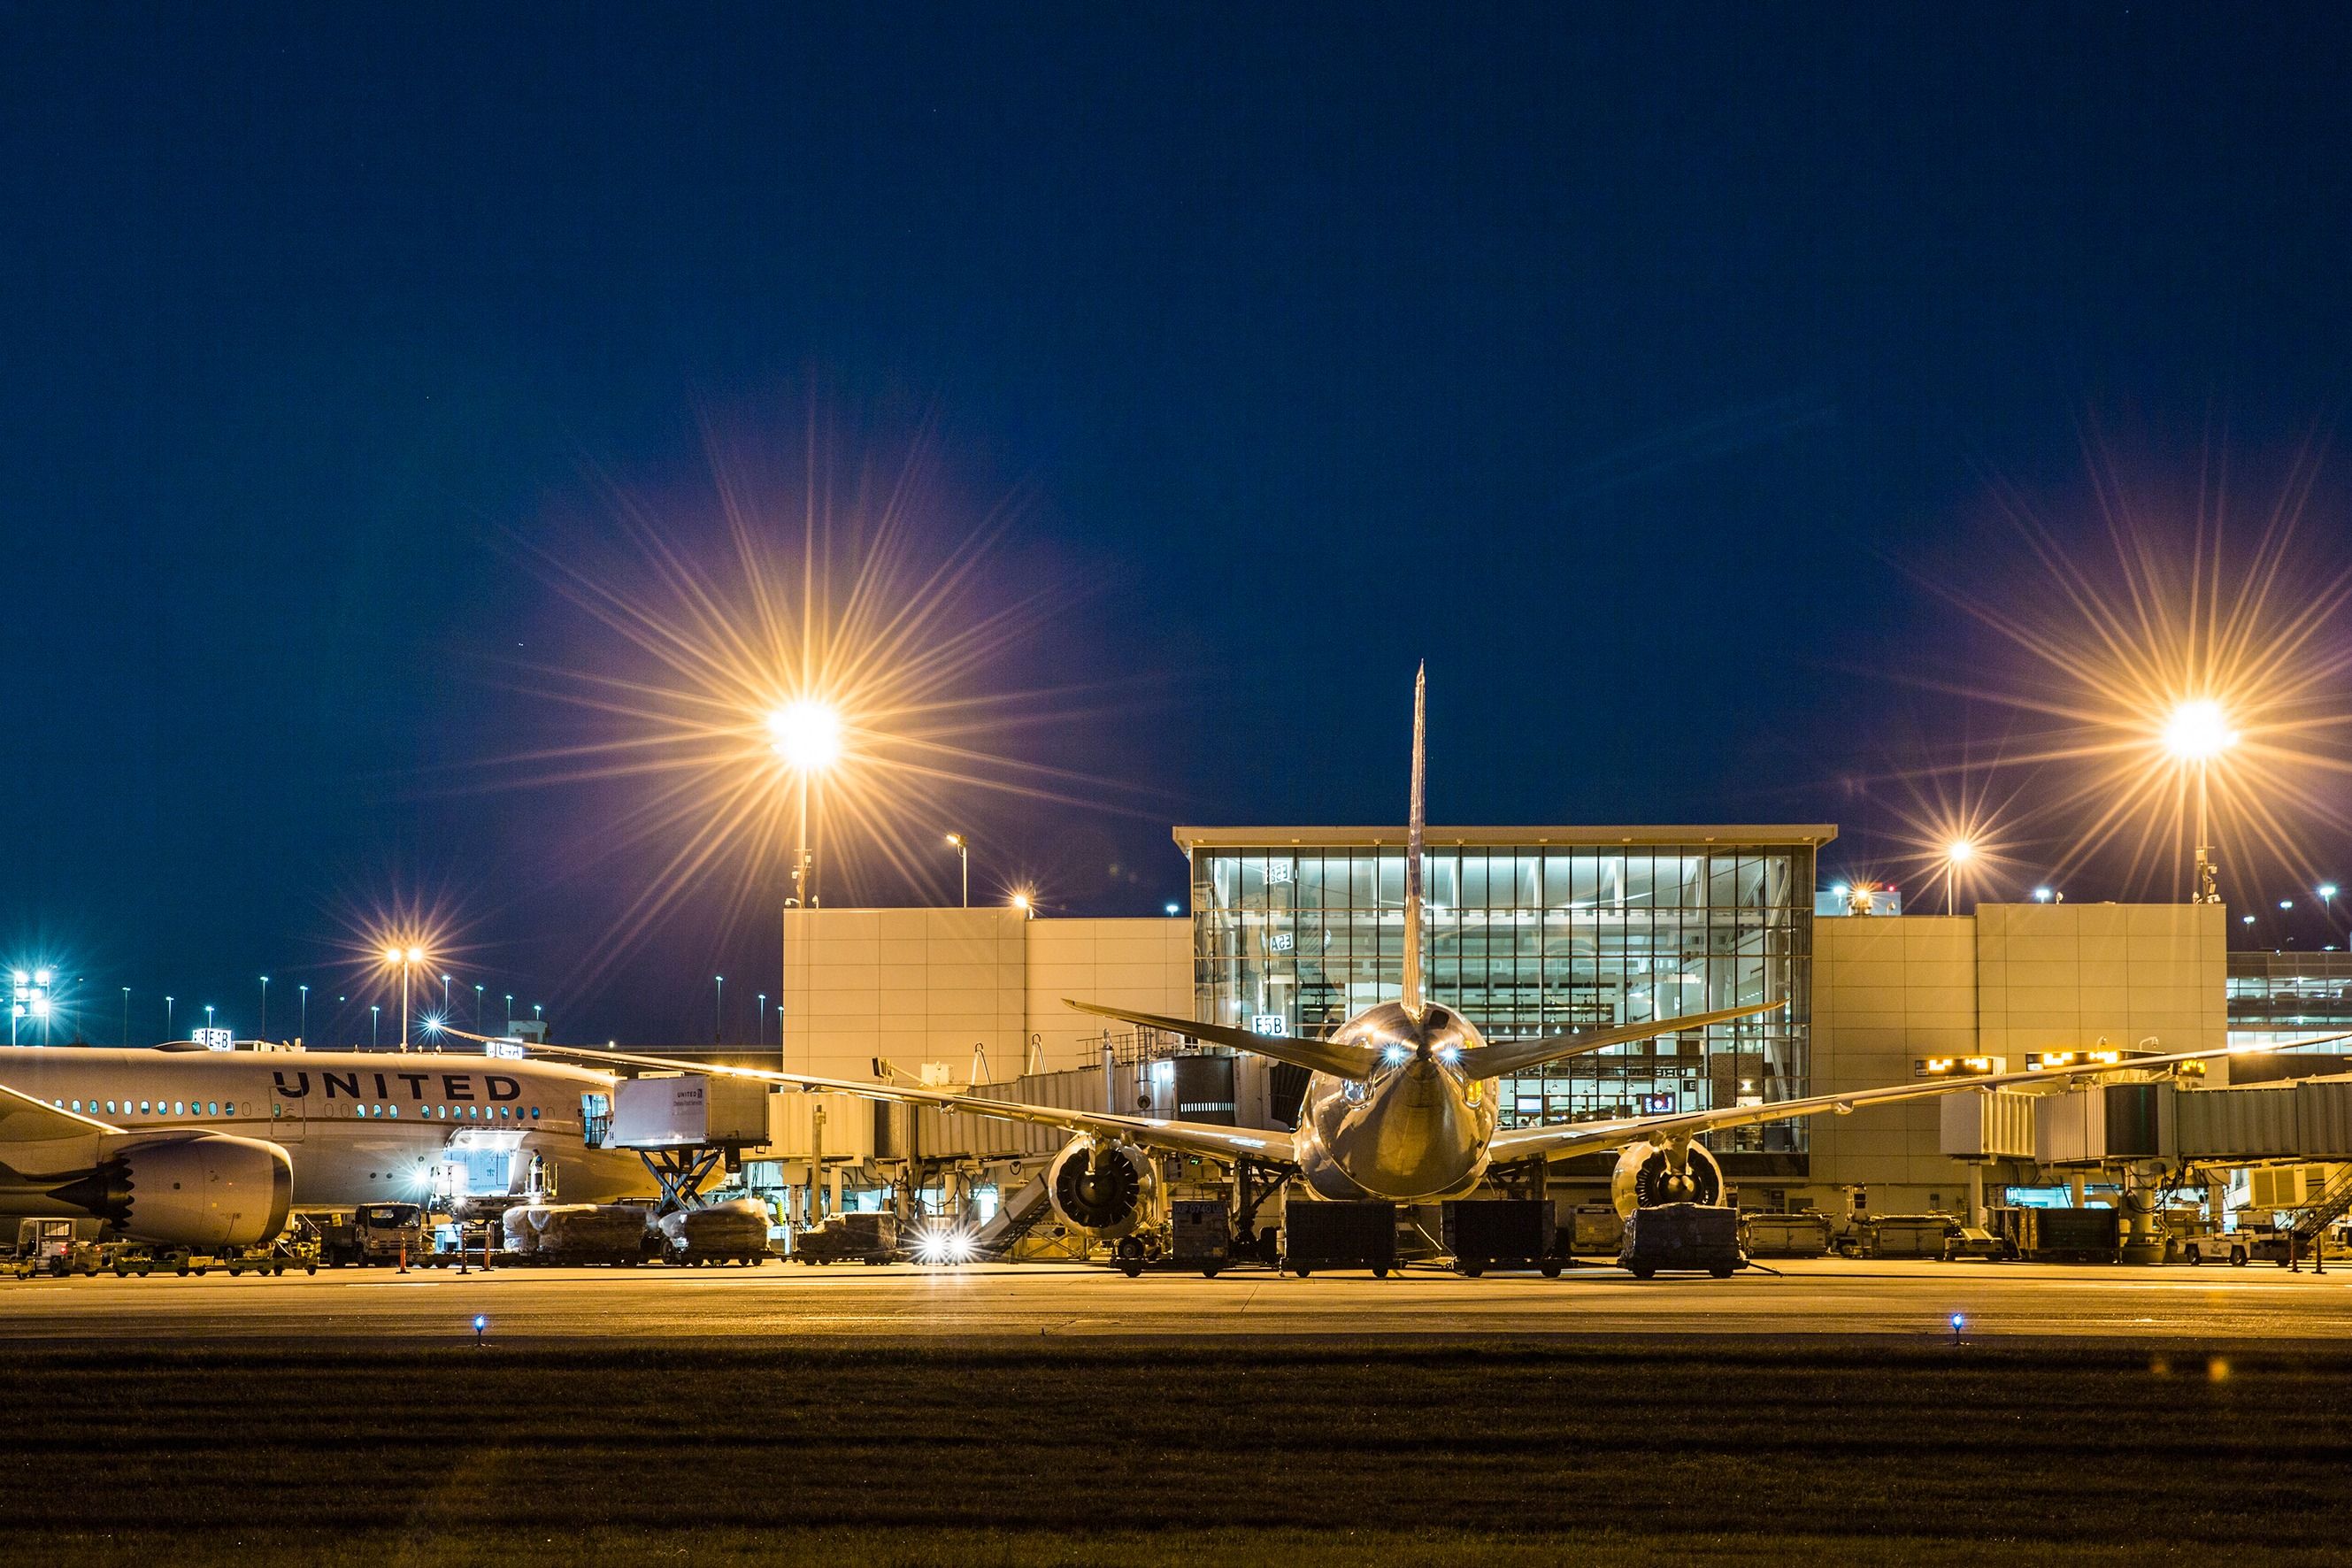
(1416,832)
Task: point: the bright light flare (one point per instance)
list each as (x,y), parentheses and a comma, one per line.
(1960,851)
(813,642)
(945,1244)
(2198,731)
(807,734)
(2195,667)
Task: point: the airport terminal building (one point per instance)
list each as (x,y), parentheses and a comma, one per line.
(1544,930)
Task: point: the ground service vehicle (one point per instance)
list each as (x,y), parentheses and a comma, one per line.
(54,1247)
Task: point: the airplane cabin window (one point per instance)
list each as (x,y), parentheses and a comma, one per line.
(179,1107)
(534,1113)
(143,1107)
(215,1108)
(110,1108)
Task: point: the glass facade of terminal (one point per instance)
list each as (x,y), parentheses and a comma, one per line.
(1535,940)
(2278,996)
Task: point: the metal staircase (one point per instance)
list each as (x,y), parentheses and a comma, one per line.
(1015,1217)
(2326,1207)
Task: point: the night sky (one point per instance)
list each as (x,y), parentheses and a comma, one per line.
(1641,370)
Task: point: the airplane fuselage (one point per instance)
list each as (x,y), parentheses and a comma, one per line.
(357,1126)
(1416,1130)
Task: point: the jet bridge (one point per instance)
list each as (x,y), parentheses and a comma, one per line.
(2152,1134)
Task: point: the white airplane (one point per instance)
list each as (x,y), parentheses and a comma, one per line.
(186,1147)
(1401,1104)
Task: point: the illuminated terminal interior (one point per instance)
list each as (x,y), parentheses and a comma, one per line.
(1531,932)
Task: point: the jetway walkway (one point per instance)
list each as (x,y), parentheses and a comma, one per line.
(2161,1123)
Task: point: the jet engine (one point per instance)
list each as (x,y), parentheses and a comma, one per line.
(214,1191)
(1108,1188)
(1644,1178)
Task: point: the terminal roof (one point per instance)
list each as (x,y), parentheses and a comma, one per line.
(1730,834)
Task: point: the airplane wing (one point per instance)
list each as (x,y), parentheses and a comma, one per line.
(1267,1147)
(24,1120)
(1503,1058)
(1585,1137)
(1315,1056)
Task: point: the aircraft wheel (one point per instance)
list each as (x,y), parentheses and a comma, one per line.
(1644,1271)
(1302,1272)
(1470,1267)
(1551,1267)
(1208,1271)
(1379,1270)
(310,1269)
(1721,1271)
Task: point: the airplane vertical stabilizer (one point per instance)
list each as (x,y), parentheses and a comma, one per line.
(1416,830)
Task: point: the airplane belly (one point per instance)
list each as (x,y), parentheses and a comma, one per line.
(1416,1142)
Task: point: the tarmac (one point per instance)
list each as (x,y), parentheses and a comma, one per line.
(789,1302)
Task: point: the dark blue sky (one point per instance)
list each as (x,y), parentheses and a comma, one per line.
(1614,362)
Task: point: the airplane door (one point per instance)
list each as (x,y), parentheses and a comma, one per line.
(286,1114)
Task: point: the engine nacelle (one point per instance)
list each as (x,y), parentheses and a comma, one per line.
(1644,1178)
(1110,1189)
(213,1191)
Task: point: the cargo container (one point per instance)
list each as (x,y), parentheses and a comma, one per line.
(2056,1235)
(1698,1237)
(1803,1234)
(1331,1234)
(1200,1234)
(849,1238)
(1588,1230)
(1482,1232)
(1906,1235)
(672,1111)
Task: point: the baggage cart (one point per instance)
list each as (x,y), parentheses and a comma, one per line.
(1482,1232)
(1686,1237)
(1339,1233)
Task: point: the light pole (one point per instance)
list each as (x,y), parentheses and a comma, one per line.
(126,1016)
(167,1017)
(263,1033)
(962,847)
(719,1012)
(444,997)
(208,1023)
(1956,854)
(2197,731)
(303,1026)
(478,1009)
(762,1042)
(404,959)
(375,1016)
(510,1012)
